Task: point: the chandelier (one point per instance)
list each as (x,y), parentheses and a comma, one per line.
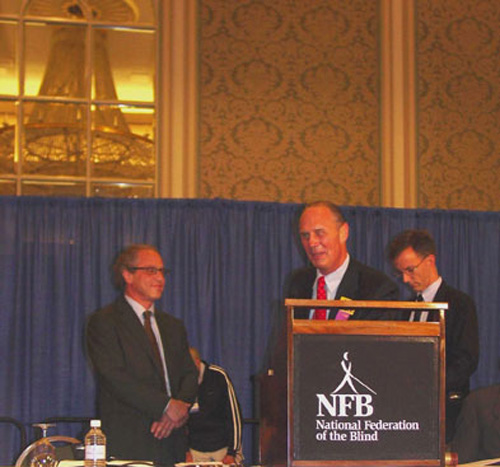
(56,132)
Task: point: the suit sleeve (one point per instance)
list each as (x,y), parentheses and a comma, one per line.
(182,371)
(462,342)
(110,355)
(299,283)
(375,285)
(466,440)
(387,290)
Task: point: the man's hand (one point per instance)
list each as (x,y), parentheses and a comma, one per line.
(163,427)
(177,411)
(174,417)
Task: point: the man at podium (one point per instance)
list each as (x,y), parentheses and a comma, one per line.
(334,274)
(413,255)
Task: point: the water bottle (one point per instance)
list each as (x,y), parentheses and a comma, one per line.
(95,446)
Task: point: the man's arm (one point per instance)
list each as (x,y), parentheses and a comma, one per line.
(182,371)
(462,341)
(386,290)
(467,436)
(175,415)
(183,376)
(106,348)
(374,285)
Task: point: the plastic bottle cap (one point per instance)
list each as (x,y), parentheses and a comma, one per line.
(95,423)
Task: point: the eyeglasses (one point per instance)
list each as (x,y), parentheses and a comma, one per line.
(150,270)
(410,270)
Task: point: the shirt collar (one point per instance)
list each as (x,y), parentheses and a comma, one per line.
(430,292)
(334,279)
(138,308)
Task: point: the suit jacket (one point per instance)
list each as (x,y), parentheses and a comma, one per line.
(478,428)
(462,350)
(360,282)
(131,392)
(462,338)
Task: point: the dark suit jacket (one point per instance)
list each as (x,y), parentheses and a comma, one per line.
(462,349)
(131,387)
(478,428)
(462,338)
(360,282)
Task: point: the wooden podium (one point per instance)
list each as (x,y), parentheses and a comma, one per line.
(356,393)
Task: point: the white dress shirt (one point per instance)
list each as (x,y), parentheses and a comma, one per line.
(428,296)
(139,311)
(332,282)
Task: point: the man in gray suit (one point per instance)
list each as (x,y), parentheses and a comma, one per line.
(147,379)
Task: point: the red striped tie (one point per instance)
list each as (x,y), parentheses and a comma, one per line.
(320,313)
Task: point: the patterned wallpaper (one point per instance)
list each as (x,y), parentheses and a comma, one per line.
(458,60)
(290,100)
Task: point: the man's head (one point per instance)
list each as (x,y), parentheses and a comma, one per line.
(324,232)
(139,272)
(412,253)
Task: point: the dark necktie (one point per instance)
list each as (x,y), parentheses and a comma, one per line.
(320,313)
(418,313)
(152,338)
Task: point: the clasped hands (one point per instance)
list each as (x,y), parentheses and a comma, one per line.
(174,416)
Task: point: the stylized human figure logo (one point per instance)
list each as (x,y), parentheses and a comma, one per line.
(349,378)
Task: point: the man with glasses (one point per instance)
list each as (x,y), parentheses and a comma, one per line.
(146,376)
(413,256)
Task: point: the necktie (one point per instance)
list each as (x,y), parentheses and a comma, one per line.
(151,337)
(320,313)
(417,313)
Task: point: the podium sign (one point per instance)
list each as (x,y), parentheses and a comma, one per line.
(355,398)
(356,393)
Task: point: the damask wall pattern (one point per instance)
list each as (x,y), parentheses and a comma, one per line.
(458,63)
(289,100)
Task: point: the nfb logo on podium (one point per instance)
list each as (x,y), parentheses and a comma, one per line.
(346,405)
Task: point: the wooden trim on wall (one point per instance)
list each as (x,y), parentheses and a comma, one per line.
(178,131)
(398,122)
(178,100)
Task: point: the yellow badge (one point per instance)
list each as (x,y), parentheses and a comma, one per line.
(351,312)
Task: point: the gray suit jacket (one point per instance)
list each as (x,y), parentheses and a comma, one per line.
(131,387)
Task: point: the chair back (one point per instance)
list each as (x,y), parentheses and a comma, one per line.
(10,429)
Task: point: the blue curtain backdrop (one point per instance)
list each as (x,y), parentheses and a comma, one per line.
(229,261)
